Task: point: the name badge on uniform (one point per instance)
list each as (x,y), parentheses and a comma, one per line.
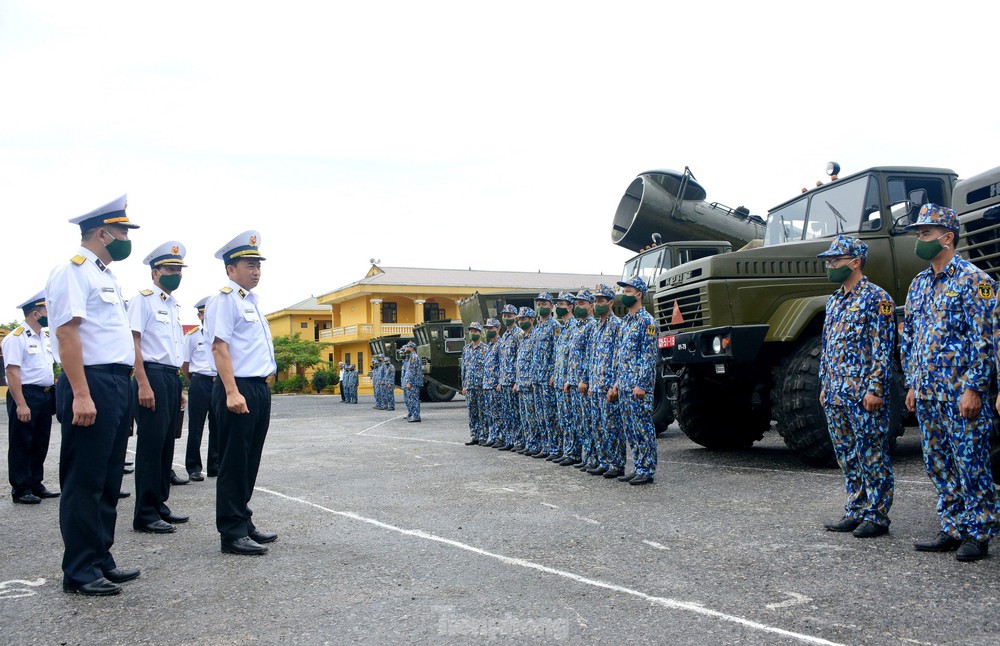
(33,348)
(250,314)
(163,316)
(109,295)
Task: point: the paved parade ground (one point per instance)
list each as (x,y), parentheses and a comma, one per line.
(392,532)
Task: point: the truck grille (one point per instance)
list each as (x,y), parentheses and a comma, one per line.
(982,245)
(692,305)
(759,268)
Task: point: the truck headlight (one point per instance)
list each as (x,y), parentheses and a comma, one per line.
(717,345)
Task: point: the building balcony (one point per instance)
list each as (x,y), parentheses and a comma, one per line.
(363,332)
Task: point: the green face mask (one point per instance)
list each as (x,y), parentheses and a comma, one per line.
(508,322)
(544,311)
(601,310)
(43,321)
(839,275)
(930,249)
(562,311)
(524,325)
(119,249)
(580,312)
(474,337)
(627,301)
(491,334)
(170,282)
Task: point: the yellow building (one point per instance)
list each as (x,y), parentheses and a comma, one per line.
(307,318)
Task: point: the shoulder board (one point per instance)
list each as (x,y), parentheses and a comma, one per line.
(18,331)
(146,292)
(78,259)
(192,331)
(227,289)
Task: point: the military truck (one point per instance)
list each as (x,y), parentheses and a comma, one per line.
(740,332)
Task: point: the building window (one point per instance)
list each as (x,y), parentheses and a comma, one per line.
(389,313)
(433,312)
(303,325)
(329,357)
(347,358)
(361,363)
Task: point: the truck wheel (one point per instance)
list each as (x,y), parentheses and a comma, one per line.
(437,393)
(795,400)
(720,415)
(663,408)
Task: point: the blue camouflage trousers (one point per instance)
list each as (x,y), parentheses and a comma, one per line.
(491,416)
(474,404)
(582,425)
(527,433)
(608,437)
(564,405)
(379,392)
(861,444)
(636,417)
(957,459)
(546,412)
(411,396)
(510,415)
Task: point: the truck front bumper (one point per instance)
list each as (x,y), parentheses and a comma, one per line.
(721,346)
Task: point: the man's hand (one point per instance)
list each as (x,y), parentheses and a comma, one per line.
(463,391)
(552,381)
(613,394)
(911,400)
(872,402)
(970,404)
(23,413)
(84,411)
(515,388)
(184,401)
(236,403)
(566,388)
(146,397)
(638,393)
(822,398)
(582,388)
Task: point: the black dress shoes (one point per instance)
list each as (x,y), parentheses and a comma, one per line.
(628,477)
(413,419)
(868,529)
(472,443)
(27,499)
(212,474)
(128,470)
(121,575)
(124,494)
(155,527)
(488,444)
(973,550)
(538,454)
(641,480)
(505,447)
(613,473)
(597,471)
(175,518)
(845,524)
(176,480)
(197,476)
(245,546)
(943,542)
(555,457)
(45,493)
(99,588)
(258,536)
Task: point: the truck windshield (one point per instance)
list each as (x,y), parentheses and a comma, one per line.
(838,208)
(647,266)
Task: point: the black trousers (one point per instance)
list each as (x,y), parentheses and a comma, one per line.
(199,407)
(91,460)
(28,442)
(241,442)
(154,443)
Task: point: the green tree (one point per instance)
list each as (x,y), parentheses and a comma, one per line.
(296,355)
(9,326)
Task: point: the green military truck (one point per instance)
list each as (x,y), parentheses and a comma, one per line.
(390,345)
(740,332)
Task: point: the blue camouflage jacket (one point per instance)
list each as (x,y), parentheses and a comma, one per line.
(635,356)
(413,371)
(602,360)
(507,352)
(491,364)
(543,350)
(523,363)
(472,365)
(581,346)
(561,363)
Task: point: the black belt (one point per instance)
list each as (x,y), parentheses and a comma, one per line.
(196,375)
(256,380)
(113,368)
(37,388)
(149,365)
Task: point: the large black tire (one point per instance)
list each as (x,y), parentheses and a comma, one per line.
(795,401)
(437,393)
(720,415)
(663,408)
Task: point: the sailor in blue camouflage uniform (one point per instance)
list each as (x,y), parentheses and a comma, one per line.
(635,371)
(858,340)
(947,355)
(377,386)
(581,346)
(389,383)
(412,380)
(351,383)
(472,383)
(609,441)
(563,426)
(526,438)
(543,354)
(510,416)
(491,378)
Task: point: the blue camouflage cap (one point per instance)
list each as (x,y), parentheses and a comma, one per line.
(526,312)
(565,296)
(584,295)
(509,309)
(605,291)
(544,296)
(846,246)
(409,344)
(932,215)
(635,282)
(492,322)
(476,326)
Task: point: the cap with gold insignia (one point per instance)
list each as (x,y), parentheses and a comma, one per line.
(200,305)
(634,281)
(543,296)
(605,291)
(565,296)
(111,213)
(245,245)
(38,300)
(492,322)
(476,326)
(509,309)
(526,313)
(846,246)
(409,344)
(168,253)
(584,295)
(932,215)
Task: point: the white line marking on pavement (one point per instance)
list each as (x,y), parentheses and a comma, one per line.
(833,474)
(509,560)
(794,601)
(548,505)
(587,520)
(509,489)
(658,546)
(413,439)
(380,424)
(16,593)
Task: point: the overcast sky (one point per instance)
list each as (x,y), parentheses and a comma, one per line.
(496,136)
